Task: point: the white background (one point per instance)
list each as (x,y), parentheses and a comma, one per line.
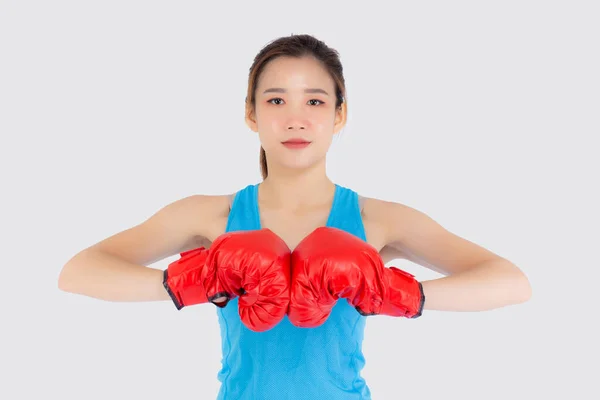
(484,116)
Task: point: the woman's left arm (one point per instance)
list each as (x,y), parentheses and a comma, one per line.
(475,278)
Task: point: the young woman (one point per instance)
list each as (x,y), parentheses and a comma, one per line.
(294,263)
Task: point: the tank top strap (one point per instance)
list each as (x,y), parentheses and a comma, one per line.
(346,212)
(244,215)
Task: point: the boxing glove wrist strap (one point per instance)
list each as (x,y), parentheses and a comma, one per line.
(405,295)
(183,279)
(172,295)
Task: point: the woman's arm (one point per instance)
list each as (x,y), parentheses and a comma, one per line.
(475,278)
(115,269)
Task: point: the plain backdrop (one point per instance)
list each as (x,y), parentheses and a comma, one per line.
(484,115)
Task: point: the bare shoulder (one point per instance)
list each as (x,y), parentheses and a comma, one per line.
(217,205)
(391,217)
(201,217)
(382,220)
(206,214)
(379,211)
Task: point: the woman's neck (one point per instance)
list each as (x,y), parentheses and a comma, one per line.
(296,189)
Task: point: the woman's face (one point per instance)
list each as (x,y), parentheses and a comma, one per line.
(295,114)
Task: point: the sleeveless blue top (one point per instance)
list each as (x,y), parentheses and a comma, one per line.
(287,362)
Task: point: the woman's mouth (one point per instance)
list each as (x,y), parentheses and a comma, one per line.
(296,143)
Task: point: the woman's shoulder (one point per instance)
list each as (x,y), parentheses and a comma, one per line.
(394,219)
(380,208)
(208,213)
(383,214)
(208,204)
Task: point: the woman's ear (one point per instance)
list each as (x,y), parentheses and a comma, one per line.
(340,118)
(251,119)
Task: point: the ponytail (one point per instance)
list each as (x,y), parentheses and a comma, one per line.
(263,163)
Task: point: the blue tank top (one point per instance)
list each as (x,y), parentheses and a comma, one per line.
(287,362)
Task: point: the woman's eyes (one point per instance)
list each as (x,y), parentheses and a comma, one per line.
(278,98)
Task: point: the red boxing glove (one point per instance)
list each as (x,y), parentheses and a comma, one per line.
(330,264)
(187,279)
(254,265)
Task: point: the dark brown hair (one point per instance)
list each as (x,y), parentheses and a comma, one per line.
(294,46)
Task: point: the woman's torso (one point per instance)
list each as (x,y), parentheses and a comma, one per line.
(287,362)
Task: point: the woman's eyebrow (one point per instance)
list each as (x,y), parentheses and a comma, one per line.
(282,90)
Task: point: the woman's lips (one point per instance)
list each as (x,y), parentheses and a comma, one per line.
(296,143)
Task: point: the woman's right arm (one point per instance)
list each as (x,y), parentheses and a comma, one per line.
(115,269)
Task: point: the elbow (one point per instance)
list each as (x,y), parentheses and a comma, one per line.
(67,277)
(64,281)
(514,284)
(527,291)
(522,287)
